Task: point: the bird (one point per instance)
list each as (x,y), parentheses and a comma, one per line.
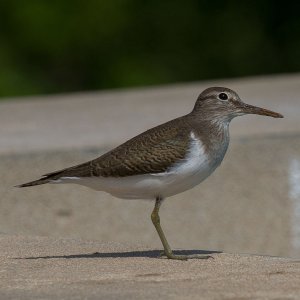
(165,160)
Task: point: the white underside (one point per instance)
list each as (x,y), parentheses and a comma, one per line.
(182,176)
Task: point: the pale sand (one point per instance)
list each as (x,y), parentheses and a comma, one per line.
(107,118)
(49,268)
(251,204)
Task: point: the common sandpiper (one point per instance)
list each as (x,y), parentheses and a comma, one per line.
(165,160)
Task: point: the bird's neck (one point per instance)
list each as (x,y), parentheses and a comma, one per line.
(214,134)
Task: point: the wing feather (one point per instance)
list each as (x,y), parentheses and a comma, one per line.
(153,151)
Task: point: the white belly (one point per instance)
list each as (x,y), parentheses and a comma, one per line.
(182,176)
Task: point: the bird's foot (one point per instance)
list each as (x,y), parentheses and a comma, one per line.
(170,255)
(162,254)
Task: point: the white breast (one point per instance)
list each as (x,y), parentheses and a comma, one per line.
(182,176)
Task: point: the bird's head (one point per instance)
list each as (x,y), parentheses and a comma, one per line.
(219,103)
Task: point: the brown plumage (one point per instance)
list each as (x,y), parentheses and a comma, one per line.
(159,148)
(153,151)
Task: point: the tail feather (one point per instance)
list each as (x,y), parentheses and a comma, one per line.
(35,182)
(81,169)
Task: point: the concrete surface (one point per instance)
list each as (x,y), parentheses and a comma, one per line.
(108,118)
(48,268)
(250,204)
(246,206)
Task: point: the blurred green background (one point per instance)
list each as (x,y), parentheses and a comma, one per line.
(61,46)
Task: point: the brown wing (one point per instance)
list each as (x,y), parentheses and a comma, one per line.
(153,151)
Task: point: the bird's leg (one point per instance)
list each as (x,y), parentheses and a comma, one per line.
(167,249)
(156,222)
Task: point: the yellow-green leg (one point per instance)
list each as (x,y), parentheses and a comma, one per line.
(167,249)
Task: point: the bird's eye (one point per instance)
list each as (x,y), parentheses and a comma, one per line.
(223,96)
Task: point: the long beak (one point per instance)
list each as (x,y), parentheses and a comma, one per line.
(250,109)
